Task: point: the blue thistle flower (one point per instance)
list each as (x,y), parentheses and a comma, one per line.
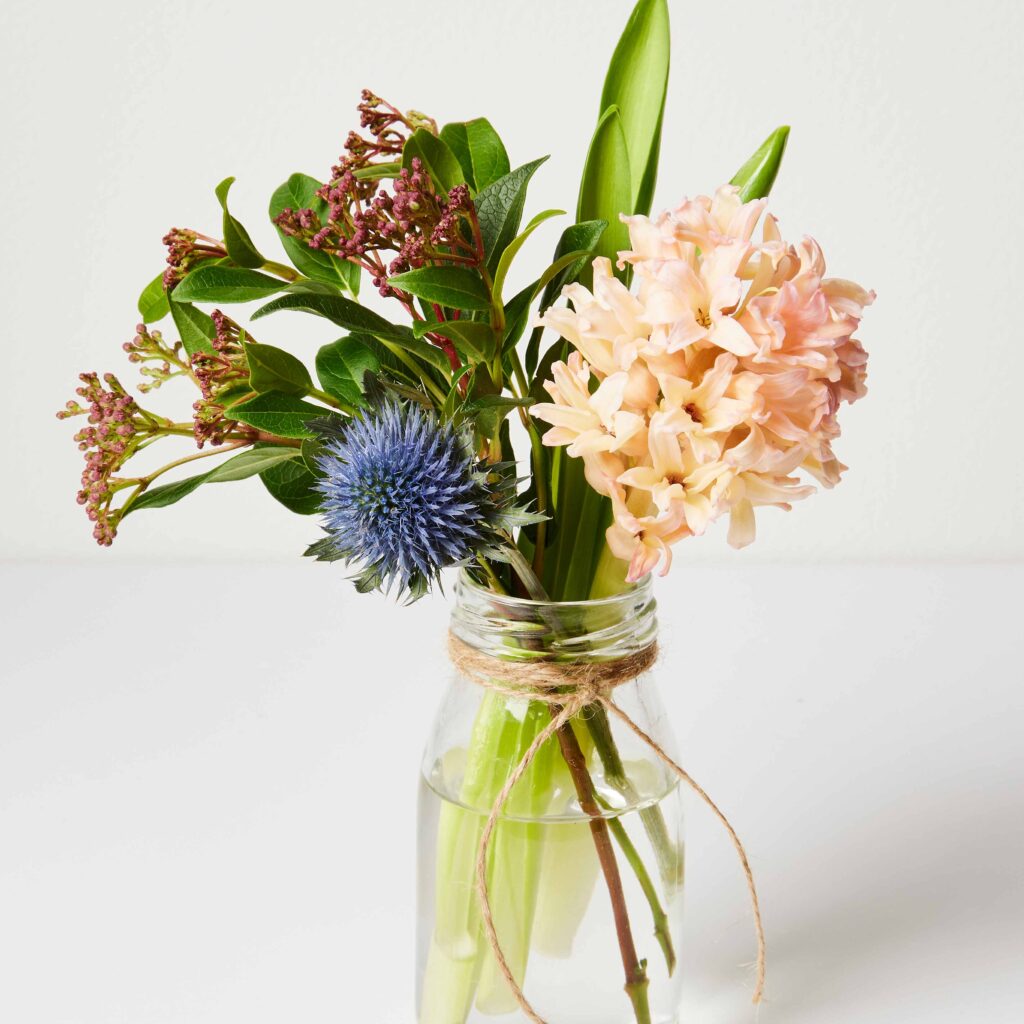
(402,498)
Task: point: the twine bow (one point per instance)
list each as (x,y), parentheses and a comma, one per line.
(568,688)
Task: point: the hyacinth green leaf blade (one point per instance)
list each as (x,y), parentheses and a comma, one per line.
(153,302)
(273,369)
(195,327)
(473,339)
(239,245)
(499,208)
(605,191)
(479,150)
(517,309)
(299,193)
(438,160)
(453,287)
(505,263)
(218,283)
(342,366)
(294,486)
(756,177)
(636,83)
(278,413)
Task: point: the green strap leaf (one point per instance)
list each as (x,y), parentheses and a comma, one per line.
(278,413)
(517,243)
(236,239)
(756,177)
(342,365)
(195,327)
(580,239)
(299,193)
(438,160)
(605,191)
(636,83)
(499,208)
(274,369)
(217,283)
(479,150)
(153,303)
(453,287)
(240,466)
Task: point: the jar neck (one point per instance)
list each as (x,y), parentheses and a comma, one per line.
(515,628)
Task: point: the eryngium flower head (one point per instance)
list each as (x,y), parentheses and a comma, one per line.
(402,499)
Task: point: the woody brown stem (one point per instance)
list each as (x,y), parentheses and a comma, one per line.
(636,971)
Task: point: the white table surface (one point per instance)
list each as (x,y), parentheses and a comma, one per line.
(197,825)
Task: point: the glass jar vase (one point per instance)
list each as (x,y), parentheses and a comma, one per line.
(585,861)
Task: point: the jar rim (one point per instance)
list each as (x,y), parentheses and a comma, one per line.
(642,587)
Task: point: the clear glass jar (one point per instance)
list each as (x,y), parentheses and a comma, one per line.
(554,897)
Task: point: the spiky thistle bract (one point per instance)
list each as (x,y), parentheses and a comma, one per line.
(405,498)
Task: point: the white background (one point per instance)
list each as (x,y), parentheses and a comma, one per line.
(188,833)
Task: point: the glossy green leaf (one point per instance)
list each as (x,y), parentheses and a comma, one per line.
(195,327)
(359,320)
(342,365)
(278,413)
(153,304)
(499,208)
(756,177)
(292,484)
(273,369)
(513,248)
(605,191)
(473,339)
(453,287)
(299,193)
(438,160)
(479,150)
(374,172)
(240,466)
(581,239)
(217,283)
(236,239)
(636,84)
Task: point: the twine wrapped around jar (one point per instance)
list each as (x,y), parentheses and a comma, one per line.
(567,688)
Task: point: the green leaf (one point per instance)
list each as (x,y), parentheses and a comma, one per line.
(473,339)
(438,160)
(636,84)
(581,238)
(217,283)
(453,287)
(299,193)
(246,464)
(342,365)
(513,248)
(277,413)
(195,327)
(359,320)
(153,304)
(166,494)
(517,309)
(273,369)
(236,239)
(499,208)
(292,484)
(478,149)
(756,177)
(605,188)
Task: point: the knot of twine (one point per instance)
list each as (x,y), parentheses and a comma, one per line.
(568,688)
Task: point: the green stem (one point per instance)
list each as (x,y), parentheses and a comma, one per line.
(662,931)
(334,403)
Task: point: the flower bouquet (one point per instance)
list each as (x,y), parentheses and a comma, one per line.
(553,444)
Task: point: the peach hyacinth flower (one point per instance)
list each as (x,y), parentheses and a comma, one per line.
(707,389)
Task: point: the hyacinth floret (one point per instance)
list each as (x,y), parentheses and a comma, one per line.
(403,498)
